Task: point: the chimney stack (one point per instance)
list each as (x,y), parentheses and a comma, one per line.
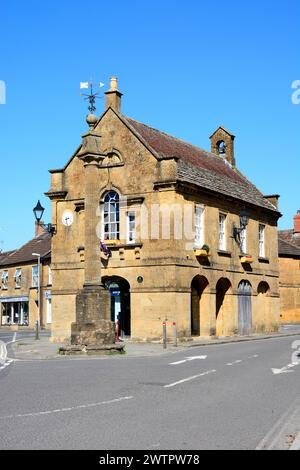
(39,228)
(297,225)
(113,95)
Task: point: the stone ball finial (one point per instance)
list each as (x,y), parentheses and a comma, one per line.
(91,119)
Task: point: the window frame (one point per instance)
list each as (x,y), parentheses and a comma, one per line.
(222,242)
(18,278)
(112,234)
(261,241)
(198,227)
(35,277)
(4,279)
(243,240)
(129,229)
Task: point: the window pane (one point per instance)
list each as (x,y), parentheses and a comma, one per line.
(198,220)
(111,216)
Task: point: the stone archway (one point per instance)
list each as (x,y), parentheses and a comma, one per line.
(119,289)
(223,307)
(263,307)
(198,286)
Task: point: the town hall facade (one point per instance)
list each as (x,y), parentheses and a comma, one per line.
(173,232)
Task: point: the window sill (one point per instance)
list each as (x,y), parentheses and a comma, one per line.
(224,253)
(125,245)
(262,259)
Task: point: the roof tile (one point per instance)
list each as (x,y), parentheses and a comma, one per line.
(201,167)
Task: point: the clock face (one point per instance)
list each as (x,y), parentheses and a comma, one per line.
(67,218)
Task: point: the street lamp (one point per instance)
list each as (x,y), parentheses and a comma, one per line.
(244,220)
(38,324)
(38,211)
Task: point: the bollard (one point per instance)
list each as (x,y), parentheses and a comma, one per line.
(164,335)
(117,331)
(37,330)
(174,334)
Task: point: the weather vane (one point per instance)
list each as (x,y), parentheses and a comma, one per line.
(91,97)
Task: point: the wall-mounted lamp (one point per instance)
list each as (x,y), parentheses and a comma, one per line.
(244,220)
(38,211)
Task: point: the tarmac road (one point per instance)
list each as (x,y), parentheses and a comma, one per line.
(227,396)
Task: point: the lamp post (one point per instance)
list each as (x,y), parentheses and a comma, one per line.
(39,295)
(38,211)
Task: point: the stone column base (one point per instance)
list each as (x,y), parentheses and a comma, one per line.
(93,350)
(93,333)
(92,304)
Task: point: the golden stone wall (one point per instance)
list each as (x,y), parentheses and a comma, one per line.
(167,266)
(289,282)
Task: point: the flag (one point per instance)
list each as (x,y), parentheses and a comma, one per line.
(101,84)
(84,85)
(104,248)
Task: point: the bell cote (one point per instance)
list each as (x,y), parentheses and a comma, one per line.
(222,144)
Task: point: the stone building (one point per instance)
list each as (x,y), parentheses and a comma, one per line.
(289,272)
(19,284)
(185,237)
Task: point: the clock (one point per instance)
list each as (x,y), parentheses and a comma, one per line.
(67,218)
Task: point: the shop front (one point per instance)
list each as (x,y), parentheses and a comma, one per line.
(14,311)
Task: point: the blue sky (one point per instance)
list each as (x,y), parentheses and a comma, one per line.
(184,67)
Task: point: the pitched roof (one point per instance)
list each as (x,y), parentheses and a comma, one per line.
(288,235)
(286,248)
(200,167)
(5,254)
(40,244)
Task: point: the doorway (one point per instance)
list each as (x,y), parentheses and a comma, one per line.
(199,284)
(245,308)
(119,290)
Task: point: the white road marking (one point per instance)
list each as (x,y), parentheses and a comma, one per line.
(72,408)
(190,378)
(284,370)
(3,353)
(4,360)
(235,362)
(14,339)
(6,364)
(187,359)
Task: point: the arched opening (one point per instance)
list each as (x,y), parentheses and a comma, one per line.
(223,307)
(221,147)
(199,284)
(245,308)
(119,290)
(263,288)
(263,307)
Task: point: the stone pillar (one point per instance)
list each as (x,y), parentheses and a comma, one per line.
(93,329)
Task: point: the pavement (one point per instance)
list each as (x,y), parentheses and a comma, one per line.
(23,345)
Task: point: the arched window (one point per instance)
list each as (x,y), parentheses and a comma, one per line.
(111,216)
(221,145)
